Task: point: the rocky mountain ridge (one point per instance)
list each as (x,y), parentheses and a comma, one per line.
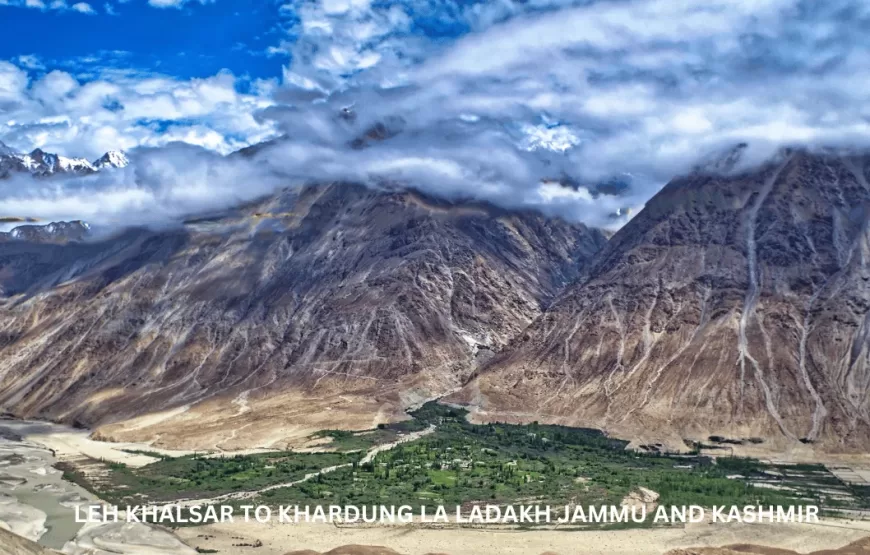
(54,232)
(321,307)
(733,305)
(43,164)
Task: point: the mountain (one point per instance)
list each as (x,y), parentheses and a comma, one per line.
(43,164)
(55,232)
(111,159)
(732,305)
(331,306)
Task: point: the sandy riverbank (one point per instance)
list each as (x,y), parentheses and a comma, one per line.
(36,504)
(277,539)
(35,501)
(10,544)
(70,443)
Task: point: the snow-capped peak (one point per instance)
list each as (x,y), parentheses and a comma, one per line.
(43,164)
(40,159)
(74,164)
(112,159)
(54,232)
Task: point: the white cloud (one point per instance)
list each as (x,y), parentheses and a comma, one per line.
(83,7)
(86,8)
(58,113)
(595,89)
(30,61)
(491,99)
(174,3)
(162,186)
(54,5)
(13,82)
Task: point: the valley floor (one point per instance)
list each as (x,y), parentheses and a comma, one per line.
(278,539)
(439,457)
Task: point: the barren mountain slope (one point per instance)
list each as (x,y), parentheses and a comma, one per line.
(732,306)
(333,306)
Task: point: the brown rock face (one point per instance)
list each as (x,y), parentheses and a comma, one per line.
(735,306)
(330,306)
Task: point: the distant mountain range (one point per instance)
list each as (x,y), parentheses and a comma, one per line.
(43,164)
(54,232)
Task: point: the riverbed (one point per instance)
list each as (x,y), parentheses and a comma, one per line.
(38,504)
(35,501)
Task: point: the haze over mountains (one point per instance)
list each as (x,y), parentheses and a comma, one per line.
(733,304)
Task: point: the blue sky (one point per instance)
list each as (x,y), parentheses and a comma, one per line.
(194,40)
(491,99)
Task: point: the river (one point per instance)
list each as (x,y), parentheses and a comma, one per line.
(35,501)
(38,504)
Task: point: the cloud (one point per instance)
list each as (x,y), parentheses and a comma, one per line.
(58,112)
(54,5)
(164,185)
(30,61)
(174,3)
(495,100)
(83,7)
(13,81)
(597,89)
(161,187)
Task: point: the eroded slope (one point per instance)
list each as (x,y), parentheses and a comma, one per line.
(732,306)
(327,307)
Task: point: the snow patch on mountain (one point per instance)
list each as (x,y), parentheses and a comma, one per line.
(112,159)
(54,232)
(44,164)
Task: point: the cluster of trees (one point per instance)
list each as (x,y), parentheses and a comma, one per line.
(464,462)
